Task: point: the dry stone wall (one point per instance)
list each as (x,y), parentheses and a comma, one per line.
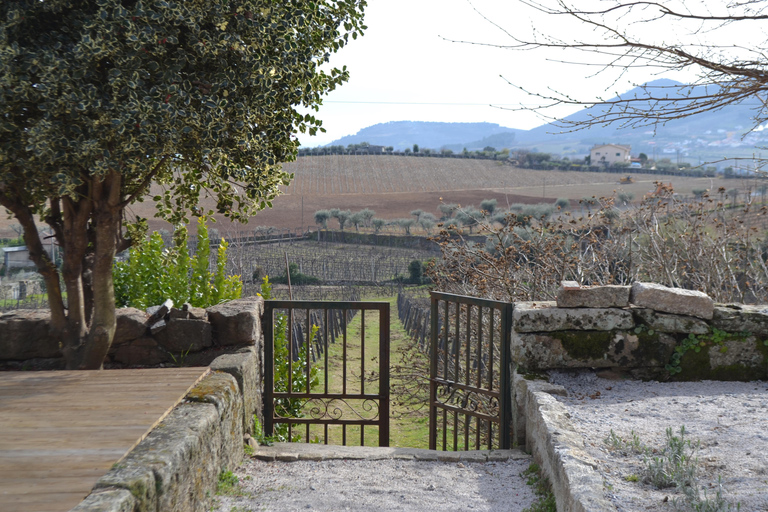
(164,334)
(646,330)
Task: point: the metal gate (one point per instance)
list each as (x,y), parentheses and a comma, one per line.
(325,380)
(469,381)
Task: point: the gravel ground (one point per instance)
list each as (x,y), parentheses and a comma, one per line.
(384,485)
(730,419)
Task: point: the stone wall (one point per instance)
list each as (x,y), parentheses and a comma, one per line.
(176,467)
(646,331)
(162,335)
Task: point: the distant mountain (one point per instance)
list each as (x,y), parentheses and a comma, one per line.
(708,136)
(404,134)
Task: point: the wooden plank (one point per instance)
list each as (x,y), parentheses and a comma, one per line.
(61,431)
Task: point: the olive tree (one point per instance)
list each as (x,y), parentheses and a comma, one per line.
(101,99)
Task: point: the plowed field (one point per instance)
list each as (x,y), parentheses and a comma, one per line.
(393,186)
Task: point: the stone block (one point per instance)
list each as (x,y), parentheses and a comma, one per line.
(244,367)
(140,352)
(571,295)
(194,312)
(546,317)
(221,390)
(159,312)
(131,324)
(520,389)
(559,451)
(663,322)
(182,336)
(589,349)
(107,500)
(237,322)
(741,318)
(672,300)
(26,335)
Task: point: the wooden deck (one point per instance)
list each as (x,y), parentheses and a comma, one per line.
(61,431)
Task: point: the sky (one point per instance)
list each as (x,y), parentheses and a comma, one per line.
(408,67)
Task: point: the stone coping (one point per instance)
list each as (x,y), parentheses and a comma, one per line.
(544,425)
(176,467)
(291,452)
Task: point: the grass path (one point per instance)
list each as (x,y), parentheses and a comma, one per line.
(408,384)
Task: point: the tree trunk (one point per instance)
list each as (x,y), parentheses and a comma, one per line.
(106,228)
(75,216)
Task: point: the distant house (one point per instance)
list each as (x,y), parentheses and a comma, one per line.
(372,149)
(18,257)
(609,154)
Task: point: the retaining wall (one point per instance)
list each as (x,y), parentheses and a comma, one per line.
(176,467)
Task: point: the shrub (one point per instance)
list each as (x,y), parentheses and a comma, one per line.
(153,273)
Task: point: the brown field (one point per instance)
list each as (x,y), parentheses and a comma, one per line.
(393,186)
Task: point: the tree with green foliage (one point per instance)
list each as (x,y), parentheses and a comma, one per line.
(321,218)
(447,209)
(406,224)
(562,203)
(343,216)
(378,224)
(489,205)
(625,197)
(357,219)
(101,99)
(367,214)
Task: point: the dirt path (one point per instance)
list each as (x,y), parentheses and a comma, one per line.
(379,485)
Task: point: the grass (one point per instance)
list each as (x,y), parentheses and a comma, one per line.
(545,499)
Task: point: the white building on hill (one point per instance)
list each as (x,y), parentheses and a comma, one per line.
(609,154)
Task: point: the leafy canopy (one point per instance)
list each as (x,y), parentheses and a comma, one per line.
(210,88)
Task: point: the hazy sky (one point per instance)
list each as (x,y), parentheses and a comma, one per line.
(404,69)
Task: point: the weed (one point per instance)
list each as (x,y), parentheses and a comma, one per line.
(228,484)
(695,343)
(180,360)
(623,446)
(693,502)
(676,466)
(542,489)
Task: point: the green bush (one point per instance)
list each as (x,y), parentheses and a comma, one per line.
(297,278)
(154,273)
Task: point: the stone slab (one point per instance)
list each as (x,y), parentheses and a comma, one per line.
(107,500)
(571,295)
(287,452)
(664,322)
(559,451)
(590,349)
(677,301)
(741,318)
(547,317)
